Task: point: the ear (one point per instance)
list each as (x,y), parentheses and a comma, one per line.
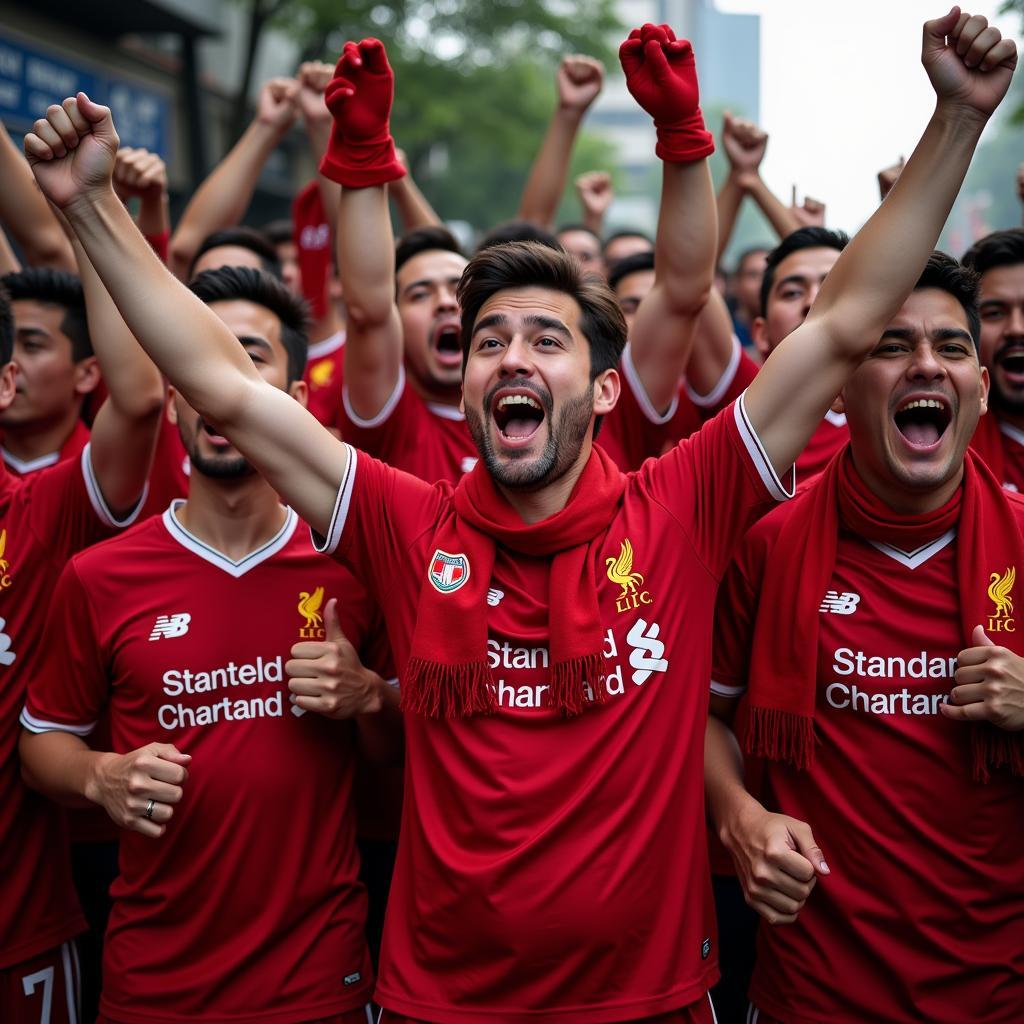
(986,383)
(607,388)
(759,333)
(299,390)
(8,382)
(87,375)
(172,406)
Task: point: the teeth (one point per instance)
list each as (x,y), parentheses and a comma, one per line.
(517,400)
(922,403)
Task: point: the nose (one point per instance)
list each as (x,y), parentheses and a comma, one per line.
(1015,323)
(925,364)
(812,294)
(515,360)
(446,301)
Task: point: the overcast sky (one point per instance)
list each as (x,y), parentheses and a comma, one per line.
(843,93)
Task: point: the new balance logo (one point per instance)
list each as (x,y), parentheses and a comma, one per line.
(170,626)
(468,463)
(839,604)
(494,597)
(647,654)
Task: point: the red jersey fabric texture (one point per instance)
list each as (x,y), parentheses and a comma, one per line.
(922,916)
(1001,445)
(248,907)
(44,520)
(551,867)
(70,449)
(325,366)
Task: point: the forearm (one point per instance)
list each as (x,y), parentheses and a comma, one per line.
(729,200)
(414,210)
(779,216)
(550,171)
(381,735)
(61,766)
(154,217)
(319,133)
(724,789)
(8,261)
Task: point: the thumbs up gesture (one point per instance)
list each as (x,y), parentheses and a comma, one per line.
(989,685)
(326,676)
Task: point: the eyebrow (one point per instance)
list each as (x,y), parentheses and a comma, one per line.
(429,282)
(992,302)
(252,340)
(942,334)
(547,323)
(800,279)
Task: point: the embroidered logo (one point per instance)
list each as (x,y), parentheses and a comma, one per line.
(448,572)
(620,572)
(1000,594)
(648,651)
(309,608)
(321,374)
(5,575)
(494,597)
(839,604)
(170,626)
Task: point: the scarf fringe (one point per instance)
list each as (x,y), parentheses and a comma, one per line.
(994,748)
(448,691)
(779,736)
(570,679)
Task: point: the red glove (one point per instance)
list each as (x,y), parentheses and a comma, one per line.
(361,151)
(662,76)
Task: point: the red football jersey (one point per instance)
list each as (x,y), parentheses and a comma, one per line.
(248,907)
(549,867)
(70,449)
(922,916)
(44,520)
(831,435)
(1013,456)
(168,479)
(325,366)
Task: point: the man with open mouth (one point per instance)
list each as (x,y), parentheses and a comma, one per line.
(550,616)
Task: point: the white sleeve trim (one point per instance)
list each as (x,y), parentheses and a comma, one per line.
(714,396)
(765,470)
(328,544)
(39,725)
(387,409)
(721,690)
(629,371)
(97,500)
(394,682)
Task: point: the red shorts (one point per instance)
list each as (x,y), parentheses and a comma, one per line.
(45,988)
(364,1015)
(700,1012)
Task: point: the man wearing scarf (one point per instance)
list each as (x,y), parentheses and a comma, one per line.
(871,624)
(550,617)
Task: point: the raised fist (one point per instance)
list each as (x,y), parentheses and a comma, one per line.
(138,172)
(744,144)
(579,82)
(360,94)
(810,213)
(276,106)
(313,77)
(594,189)
(969,63)
(661,73)
(72,150)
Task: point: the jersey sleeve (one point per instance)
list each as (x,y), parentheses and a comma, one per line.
(378,515)
(735,611)
(716,484)
(394,428)
(69,690)
(733,382)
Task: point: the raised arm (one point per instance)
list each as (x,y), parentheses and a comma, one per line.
(414,209)
(72,156)
(313,76)
(143,175)
(222,199)
(26,214)
(661,75)
(970,67)
(579,82)
(744,145)
(362,159)
(595,192)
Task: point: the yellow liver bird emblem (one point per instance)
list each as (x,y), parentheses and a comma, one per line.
(309,606)
(999,588)
(322,373)
(620,570)
(3,548)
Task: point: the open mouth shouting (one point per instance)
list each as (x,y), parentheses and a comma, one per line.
(922,421)
(1010,361)
(446,342)
(518,414)
(216,438)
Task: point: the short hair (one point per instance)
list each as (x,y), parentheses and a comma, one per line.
(579,227)
(519,231)
(630,265)
(277,232)
(626,233)
(55,288)
(945,273)
(433,237)
(533,265)
(226,284)
(242,238)
(999,249)
(747,253)
(803,238)
(6,328)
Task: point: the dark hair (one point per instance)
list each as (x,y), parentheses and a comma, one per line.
(519,231)
(433,237)
(999,249)
(802,238)
(578,227)
(630,265)
(626,233)
(243,238)
(226,284)
(945,273)
(6,328)
(277,232)
(55,288)
(747,253)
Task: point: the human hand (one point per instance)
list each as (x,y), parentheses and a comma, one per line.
(277,104)
(810,214)
(989,685)
(888,176)
(72,150)
(579,81)
(595,192)
(326,676)
(138,172)
(313,77)
(744,145)
(140,789)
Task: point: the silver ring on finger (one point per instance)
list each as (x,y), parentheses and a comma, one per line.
(149,810)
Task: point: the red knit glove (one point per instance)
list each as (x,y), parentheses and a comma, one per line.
(361,151)
(662,76)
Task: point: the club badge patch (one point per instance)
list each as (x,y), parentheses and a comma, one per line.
(448,572)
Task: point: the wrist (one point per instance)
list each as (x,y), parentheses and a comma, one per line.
(268,133)
(91,202)
(570,114)
(959,117)
(744,178)
(373,698)
(732,813)
(98,768)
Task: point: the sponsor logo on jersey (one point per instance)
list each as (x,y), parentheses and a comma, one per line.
(5,569)
(1000,593)
(648,651)
(7,656)
(620,572)
(467,464)
(705,949)
(322,373)
(309,608)
(495,597)
(448,572)
(170,626)
(839,604)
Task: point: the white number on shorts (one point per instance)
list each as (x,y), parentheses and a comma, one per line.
(45,978)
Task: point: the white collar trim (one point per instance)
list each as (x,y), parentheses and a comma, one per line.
(323,348)
(24,467)
(1008,429)
(915,559)
(837,419)
(215,557)
(446,412)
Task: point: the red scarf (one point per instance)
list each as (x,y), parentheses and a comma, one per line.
(988,443)
(313,239)
(448,673)
(779,719)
